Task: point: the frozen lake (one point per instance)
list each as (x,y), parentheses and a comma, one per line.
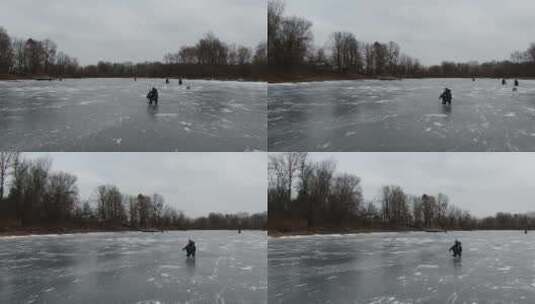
(496,267)
(373,115)
(134,268)
(113,115)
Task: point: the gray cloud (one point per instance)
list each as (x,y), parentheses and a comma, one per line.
(431,30)
(483,183)
(133,30)
(196,183)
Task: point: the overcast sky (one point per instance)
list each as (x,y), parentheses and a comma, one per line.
(430,30)
(483,183)
(196,183)
(133,30)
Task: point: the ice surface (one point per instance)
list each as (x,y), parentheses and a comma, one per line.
(373,115)
(496,267)
(113,115)
(134,268)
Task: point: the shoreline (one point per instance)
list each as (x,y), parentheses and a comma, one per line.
(278,234)
(329,79)
(271,79)
(45,232)
(50,79)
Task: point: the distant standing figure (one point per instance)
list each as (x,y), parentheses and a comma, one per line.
(516,83)
(446,96)
(180,81)
(190,249)
(474,79)
(167,80)
(526,231)
(457,249)
(153,96)
(504,82)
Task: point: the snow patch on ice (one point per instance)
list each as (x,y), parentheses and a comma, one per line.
(170,267)
(436,115)
(505,268)
(325,145)
(386,300)
(390,116)
(427,266)
(88,102)
(452,298)
(166,115)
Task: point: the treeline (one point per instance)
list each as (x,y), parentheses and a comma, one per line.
(212,51)
(35,196)
(304,195)
(291,48)
(208,58)
(520,64)
(34,57)
(503,220)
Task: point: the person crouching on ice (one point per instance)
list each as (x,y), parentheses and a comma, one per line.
(153,96)
(446,96)
(190,249)
(457,249)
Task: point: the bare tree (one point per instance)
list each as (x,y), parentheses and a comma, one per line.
(346,197)
(211,50)
(275,16)
(531,52)
(7,159)
(519,57)
(61,197)
(346,51)
(188,55)
(289,38)
(393,53)
(49,54)
(260,56)
(244,55)
(20,55)
(158,203)
(429,205)
(442,202)
(110,206)
(6,52)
